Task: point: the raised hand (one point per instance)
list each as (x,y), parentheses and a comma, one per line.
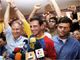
(44,14)
(12,3)
(37,6)
(8,2)
(73,7)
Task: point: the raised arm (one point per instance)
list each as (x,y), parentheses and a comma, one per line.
(6,16)
(57,9)
(18,13)
(73,8)
(36,7)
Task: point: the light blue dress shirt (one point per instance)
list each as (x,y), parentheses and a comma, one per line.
(67,50)
(11,43)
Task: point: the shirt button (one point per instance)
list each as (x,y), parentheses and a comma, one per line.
(62,51)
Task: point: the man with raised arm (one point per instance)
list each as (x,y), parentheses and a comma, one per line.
(13,32)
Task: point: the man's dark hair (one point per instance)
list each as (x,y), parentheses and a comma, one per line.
(65,20)
(3,37)
(54,19)
(38,19)
(45,22)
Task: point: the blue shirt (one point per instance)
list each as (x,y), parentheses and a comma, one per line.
(11,43)
(2,50)
(67,50)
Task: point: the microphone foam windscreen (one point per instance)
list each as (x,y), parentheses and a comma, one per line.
(32,40)
(12,56)
(18,56)
(30,50)
(26,41)
(16,49)
(38,45)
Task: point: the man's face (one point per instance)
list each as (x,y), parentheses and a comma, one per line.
(63,29)
(76,35)
(1,42)
(52,23)
(35,27)
(16,31)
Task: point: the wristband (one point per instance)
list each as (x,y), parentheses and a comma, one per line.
(15,10)
(14,7)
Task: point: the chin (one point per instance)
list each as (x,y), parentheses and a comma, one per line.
(62,35)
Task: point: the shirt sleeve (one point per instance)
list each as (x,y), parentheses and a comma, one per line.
(49,48)
(27,29)
(8,31)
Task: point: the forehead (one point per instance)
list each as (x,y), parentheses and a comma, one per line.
(51,20)
(64,24)
(76,32)
(34,22)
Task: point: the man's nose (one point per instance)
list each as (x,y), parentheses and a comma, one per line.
(63,29)
(32,28)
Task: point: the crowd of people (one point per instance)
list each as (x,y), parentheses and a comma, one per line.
(59,36)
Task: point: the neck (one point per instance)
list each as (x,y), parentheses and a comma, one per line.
(63,37)
(39,35)
(15,39)
(52,29)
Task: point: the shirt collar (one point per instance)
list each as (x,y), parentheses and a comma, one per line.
(18,38)
(40,37)
(58,39)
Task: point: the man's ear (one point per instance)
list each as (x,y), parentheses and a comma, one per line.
(56,25)
(42,26)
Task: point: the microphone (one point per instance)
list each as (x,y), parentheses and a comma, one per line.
(21,50)
(17,49)
(32,42)
(30,55)
(39,51)
(23,57)
(12,56)
(26,41)
(25,45)
(18,56)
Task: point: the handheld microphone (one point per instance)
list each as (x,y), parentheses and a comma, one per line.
(23,57)
(17,49)
(12,56)
(39,51)
(30,55)
(18,56)
(25,45)
(21,50)
(32,42)
(26,41)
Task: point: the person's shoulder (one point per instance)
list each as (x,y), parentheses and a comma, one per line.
(24,37)
(73,40)
(47,40)
(54,37)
